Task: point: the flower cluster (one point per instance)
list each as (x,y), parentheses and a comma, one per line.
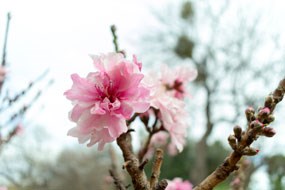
(105,99)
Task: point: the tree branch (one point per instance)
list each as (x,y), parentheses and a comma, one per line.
(132,163)
(242,147)
(156,168)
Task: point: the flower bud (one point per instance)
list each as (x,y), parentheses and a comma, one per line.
(249,151)
(268,101)
(249,112)
(264,111)
(232,141)
(237,131)
(270,118)
(269,132)
(282,84)
(256,124)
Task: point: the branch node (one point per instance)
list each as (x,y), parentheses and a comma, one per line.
(142,165)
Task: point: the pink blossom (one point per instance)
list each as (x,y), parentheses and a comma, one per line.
(175,79)
(3,188)
(105,99)
(172,149)
(179,184)
(167,94)
(158,140)
(161,140)
(173,116)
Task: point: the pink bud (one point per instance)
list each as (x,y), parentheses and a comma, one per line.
(264,111)
(249,110)
(269,132)
(256,124)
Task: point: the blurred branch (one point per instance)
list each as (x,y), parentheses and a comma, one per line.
(3,64)
(151,131)
(114,171)
(10,179)
(5,40)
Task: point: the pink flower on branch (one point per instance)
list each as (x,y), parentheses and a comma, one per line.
(105,99)
(167,94)
(175,79)
(179,184)
(161,140)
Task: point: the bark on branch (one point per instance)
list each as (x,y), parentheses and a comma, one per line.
(132,163)
(156,168)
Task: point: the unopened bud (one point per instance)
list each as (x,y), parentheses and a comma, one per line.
(282,84)
(278,95)
(264,111)
(256,124)
(249,112)
(249,151)
(237,131)
(270,118)
(268,101)
(232,141)
(269,132)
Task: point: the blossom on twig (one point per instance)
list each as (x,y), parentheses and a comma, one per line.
(167,93)
(105,99)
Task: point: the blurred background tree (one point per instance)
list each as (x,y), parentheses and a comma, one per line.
(276,171)
(27,163)
(15,103)
(235,56)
